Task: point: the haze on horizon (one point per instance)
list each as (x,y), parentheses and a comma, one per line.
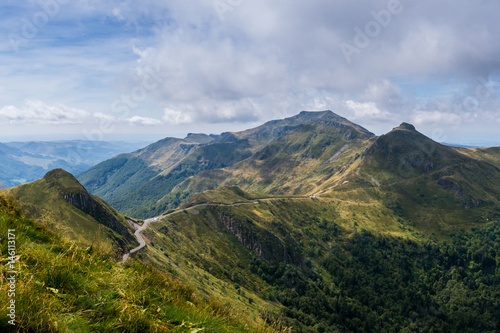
(110,70)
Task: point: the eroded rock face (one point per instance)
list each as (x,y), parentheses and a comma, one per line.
(449,185)
(87,204)
(264,244)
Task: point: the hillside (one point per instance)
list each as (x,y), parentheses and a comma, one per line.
(303,161)
(60,203)
(429,185)
(320,267)
(62,287)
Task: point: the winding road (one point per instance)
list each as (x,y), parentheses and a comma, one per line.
(142,242)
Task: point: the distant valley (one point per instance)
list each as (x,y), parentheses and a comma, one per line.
(23,162)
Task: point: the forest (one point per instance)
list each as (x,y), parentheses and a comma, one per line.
(374,283)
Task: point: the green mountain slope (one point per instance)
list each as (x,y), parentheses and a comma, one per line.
(332,264)
(132,182)
(431,185)
(418,178)
(62,287)
(311,222)
(301,145)
(59,202)
(302,161)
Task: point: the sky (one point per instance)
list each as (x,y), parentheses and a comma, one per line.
(144,70)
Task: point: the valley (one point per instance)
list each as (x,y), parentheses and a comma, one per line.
(305,224)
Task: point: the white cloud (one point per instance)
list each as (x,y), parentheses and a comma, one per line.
(384,92)
(176,117)
(437,118)
(368,110)
(103,116)
(35,111)
(265,59)
(137,120)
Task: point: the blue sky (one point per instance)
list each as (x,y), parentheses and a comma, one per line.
(89,69)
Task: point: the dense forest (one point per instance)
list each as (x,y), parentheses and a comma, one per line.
(374,283)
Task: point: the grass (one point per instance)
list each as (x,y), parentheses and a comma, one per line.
(62,287)
(196,246)
(43,201)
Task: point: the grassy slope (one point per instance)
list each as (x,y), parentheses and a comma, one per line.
(62,287)
(217,260)
(231,252)
(432,186)
(43,201)
(118,176)
(308,159)
(135,184)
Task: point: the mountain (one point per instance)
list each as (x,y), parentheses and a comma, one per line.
(141,184)
(23,162)
(376,236)
(432,185)
(310,223)
(64,287)
(346,263)
(59,202)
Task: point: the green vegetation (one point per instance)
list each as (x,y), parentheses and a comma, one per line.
(227,195)
(59,202)
(62,287)
(382,284)
(306,158)
(133,183)
(310,222)
(301,262)
(290,154)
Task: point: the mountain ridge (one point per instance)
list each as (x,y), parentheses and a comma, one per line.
(318,225)
(139,178)
(308,154)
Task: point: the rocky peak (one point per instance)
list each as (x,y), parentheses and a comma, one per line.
(405,126)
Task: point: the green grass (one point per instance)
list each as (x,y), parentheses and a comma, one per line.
(353,260)
(62,287)
(43,201)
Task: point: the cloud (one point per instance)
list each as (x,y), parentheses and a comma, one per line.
(256,61)
(383,91)
(176,117)
(104,117)
(137,120)
(368,110)
(35,111)
(437,118)
(263,49)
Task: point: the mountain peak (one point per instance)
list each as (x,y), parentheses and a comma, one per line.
(405,126)
(63,181)
(316,114)
(198,138)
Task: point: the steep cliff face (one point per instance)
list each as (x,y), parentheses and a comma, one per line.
(264,244)
(87,204)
